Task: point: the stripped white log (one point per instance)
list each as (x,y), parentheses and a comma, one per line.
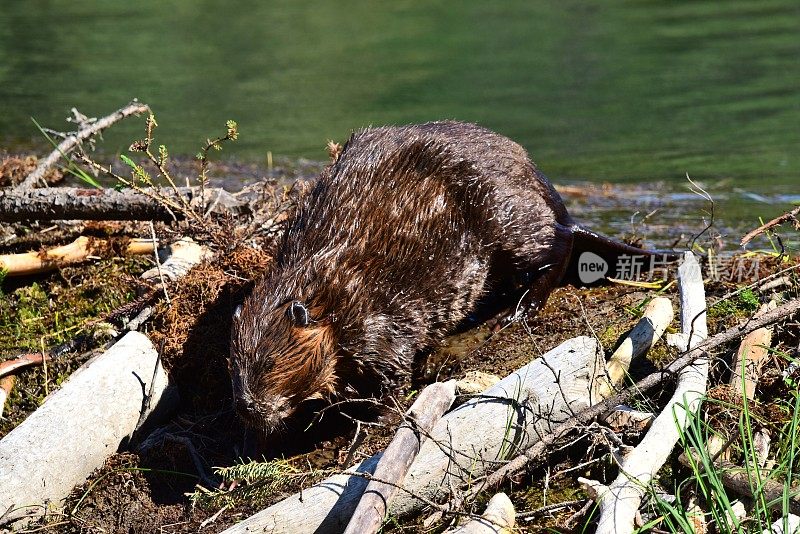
(475,382)
(620,501)
(393,466)
(789,524)
(177,259)
(77,427)
(467,443)
(499,518)
(657,316)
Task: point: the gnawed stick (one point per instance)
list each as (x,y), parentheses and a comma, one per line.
(71,141)
(10,367)
(657,316)
(393,465)
(80,250)
(620,501)
(77,203)
(14,364)
(499,518)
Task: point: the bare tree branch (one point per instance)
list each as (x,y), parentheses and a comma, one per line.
(86,131)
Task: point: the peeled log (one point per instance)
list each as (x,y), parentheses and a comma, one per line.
(619,502)
(465,444)
(398,456)
(178,259)
(499,518)
(80,425)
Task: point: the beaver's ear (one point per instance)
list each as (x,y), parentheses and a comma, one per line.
(237,312)
(298,313)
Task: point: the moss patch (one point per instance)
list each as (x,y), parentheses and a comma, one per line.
(53,310)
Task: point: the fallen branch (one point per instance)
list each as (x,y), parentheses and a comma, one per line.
(393,466)
(620,501)
(72,141)
(777,221)
(12,365)
(538,450)
(70,203)
(79,250)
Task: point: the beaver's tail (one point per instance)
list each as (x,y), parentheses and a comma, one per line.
(595,258)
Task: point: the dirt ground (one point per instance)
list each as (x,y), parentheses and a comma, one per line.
(146,488)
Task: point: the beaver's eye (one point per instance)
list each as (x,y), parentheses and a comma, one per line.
(298,313)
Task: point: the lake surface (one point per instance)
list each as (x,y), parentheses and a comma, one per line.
(625,91)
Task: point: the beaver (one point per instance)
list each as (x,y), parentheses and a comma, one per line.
(394,245)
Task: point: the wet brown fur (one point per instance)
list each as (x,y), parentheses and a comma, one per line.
(395,244)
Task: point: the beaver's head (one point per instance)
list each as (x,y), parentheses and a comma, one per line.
(281,356)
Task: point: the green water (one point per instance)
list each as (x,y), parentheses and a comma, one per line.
(615,90)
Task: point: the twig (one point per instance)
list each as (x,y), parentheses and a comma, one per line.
(73,140)
(696,189)
(777,221)
(571,520)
